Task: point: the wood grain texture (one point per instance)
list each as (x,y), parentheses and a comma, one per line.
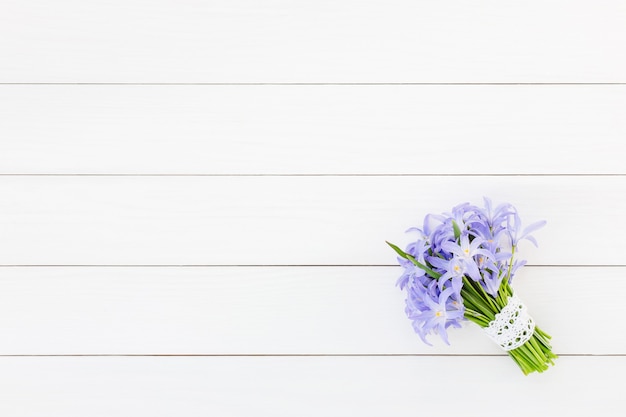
(474,129)
(98,387)
(312,41)
(227,172)
(287,220)
(265,310)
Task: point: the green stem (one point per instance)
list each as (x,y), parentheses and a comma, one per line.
(481,308)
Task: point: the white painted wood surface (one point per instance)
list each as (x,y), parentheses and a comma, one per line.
(287,220)
(307,386)
(312,41)
(426,129)
(192,222)
(276,310)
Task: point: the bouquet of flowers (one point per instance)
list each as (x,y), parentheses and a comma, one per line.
(461,268)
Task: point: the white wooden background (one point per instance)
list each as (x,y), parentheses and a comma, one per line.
(195,197)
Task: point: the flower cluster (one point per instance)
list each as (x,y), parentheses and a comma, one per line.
(471,246)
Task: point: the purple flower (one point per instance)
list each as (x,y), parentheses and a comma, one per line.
(491,281)
(411,272)
(514,226)
(469,242)
(465,252)
(436,315)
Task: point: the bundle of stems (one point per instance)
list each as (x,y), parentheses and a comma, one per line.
(481,308)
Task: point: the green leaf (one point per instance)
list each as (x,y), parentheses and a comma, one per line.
(457,229)
(405,255)
(398,250)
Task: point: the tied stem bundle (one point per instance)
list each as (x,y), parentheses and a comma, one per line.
(461,268)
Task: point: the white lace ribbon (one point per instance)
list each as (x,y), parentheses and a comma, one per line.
(512,326)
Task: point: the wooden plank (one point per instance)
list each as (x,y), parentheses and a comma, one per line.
(288,310)
(312,41)
(312,129)
(312,386)
(288,220)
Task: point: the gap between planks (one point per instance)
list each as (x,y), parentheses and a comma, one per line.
(318,84)
(307,175)
(268,266)
(288,355)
